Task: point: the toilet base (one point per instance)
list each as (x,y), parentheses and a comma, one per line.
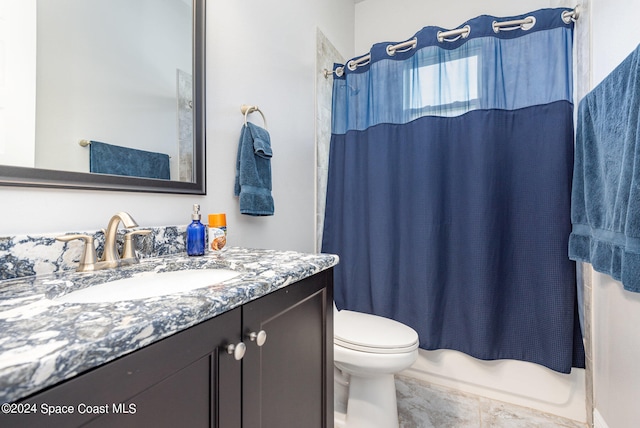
(372,403)
(340,392)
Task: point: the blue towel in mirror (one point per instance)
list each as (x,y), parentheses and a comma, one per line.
(109,159)
(253,171)
(605,198)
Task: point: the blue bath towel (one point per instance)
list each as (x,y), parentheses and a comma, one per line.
(253,171)
(109,159)
(605,199)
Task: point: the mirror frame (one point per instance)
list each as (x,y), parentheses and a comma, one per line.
(36,177)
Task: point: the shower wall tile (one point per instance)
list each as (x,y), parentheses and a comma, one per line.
(185,126)
(582,50)
(589,390)
(587,292)
(582,74)
(326,56)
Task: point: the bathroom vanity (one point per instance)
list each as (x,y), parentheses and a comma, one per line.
(257,351)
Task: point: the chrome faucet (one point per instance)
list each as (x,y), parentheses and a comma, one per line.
(110,257)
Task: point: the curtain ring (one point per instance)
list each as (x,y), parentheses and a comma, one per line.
(526,24)
(402,47)
(464,33)
(339,71)
(529,25)
(570,15)
(391,51)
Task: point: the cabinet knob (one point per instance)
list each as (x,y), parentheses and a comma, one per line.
(259,337)
(237,350)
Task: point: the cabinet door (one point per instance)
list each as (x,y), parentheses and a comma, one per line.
(288,382)
(184,380)
(182,398)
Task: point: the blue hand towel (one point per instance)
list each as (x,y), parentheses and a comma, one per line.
(253,171)
(109,159)
(605,199)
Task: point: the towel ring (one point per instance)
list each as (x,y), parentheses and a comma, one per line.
(245,110)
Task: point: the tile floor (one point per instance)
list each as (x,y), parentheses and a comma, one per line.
(422,405)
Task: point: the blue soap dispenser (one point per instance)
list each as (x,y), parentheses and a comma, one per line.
(196,234)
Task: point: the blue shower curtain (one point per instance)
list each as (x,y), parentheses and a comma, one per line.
(448,195)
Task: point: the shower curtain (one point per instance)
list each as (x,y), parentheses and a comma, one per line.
(448,197)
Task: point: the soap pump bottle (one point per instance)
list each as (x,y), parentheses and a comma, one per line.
(196,234)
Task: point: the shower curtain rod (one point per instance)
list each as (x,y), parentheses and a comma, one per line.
(444,36)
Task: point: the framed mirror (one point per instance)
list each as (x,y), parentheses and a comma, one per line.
(103,95)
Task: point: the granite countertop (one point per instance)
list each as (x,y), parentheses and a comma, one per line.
(44,341)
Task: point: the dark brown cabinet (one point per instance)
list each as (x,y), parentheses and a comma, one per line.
(288,382)
(193,379)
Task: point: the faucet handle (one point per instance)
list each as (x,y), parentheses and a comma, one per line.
(128,252)
(88,259)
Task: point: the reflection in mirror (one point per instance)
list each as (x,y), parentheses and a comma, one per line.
(103,87)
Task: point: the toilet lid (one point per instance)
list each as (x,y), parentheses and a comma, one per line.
(371,333)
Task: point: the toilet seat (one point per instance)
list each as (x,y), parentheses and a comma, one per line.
(372,333)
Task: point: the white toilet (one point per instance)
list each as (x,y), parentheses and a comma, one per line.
(368,351)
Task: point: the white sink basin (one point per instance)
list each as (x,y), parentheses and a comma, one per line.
(148,284)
